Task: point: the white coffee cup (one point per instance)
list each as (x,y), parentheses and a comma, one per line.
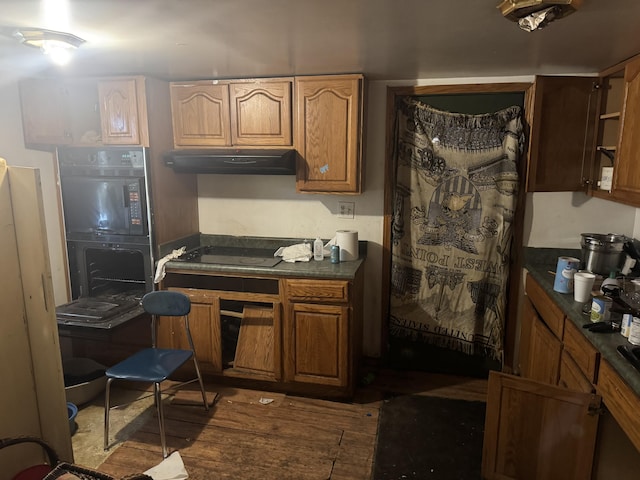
(582,286)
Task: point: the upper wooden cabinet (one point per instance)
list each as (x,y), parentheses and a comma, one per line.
(328,126)
(563,109)
(585,134)
(45,112)
(84,112)
(253,112)
(626,176)
(123,113)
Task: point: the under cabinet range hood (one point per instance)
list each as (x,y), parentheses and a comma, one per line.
(233,161)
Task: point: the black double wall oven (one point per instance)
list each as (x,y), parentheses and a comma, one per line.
(106,206)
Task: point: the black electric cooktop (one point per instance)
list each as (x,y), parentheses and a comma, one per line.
(239,256)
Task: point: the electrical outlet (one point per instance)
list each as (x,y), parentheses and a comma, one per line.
(346,209)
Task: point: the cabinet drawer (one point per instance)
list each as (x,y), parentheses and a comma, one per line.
(585,355)
(546,307)
(318,290)
(621,401)
(571,376)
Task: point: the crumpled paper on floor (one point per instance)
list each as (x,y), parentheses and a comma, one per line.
(160,273)
(300,252)
(171,468)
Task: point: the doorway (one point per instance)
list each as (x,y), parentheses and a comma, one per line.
(404,352)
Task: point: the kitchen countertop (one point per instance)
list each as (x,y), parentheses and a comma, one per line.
(539,262)
(312,268)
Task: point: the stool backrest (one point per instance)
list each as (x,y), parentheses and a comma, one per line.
(166,303)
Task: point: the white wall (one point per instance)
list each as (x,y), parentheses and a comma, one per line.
(557,219)
(13,151)
(269,206)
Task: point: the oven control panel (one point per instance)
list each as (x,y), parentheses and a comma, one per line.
(76,160)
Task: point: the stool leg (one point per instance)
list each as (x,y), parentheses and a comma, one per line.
(158,398)
(107,407)
(204,394)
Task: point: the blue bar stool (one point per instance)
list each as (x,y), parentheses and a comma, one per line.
(154,364)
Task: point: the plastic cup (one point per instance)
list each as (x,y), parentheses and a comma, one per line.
(582,286)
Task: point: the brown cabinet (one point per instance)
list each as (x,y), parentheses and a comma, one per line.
(534,430)
(626,173)
(621,401)
(543,348)
(84,112)
(252,112)
(585,134)
(45,112)
(234,333)
(534,422)
(204,322)
(328,126)
(123,114)
(316,336)
(563,109)
(293,334)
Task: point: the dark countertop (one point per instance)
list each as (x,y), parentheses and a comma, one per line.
(539,262)
(312,268)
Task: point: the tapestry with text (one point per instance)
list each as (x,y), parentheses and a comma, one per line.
(454,201)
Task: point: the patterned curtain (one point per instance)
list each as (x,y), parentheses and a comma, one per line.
(454,201)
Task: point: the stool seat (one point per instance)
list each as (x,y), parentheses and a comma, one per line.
(149,365)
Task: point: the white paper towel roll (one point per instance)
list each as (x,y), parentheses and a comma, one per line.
(347,240)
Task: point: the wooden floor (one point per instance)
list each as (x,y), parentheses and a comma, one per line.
(251,434)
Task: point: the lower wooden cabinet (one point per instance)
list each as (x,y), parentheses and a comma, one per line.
(298,334)
(621,401)
(316,344)
(204,321)
(541,346)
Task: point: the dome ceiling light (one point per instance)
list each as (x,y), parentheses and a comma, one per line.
(58,45)
(533,14)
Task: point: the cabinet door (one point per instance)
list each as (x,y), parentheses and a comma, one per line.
(328,138)
(561,134)
(200,114)
(543,348)
(45,116)
(537,431)
(316,344)
(261,112)
(626,174)
(204,321)
(120,112)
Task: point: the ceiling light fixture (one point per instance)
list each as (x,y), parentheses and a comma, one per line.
(533,14)
(58,45)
